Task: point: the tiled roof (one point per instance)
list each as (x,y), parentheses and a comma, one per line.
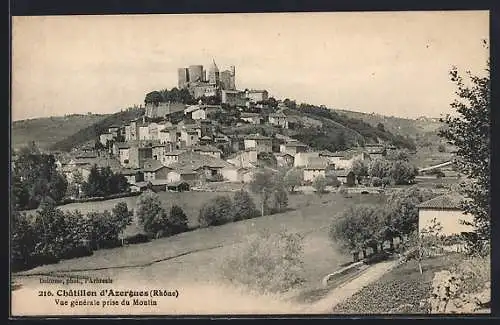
(448,201)
(194,161)
(152,165)
(247,115)
(316,163)
(256,137)
(343,172)
(327,153)
(175,152)
(207,149)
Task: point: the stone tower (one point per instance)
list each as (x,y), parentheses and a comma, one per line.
(232,84)
(213,74)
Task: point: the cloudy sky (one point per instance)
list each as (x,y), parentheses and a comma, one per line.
(390,63)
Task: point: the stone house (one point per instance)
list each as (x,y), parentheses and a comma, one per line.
(278,119)
(259,142)
(284,159)
(346,177)
(253,118)
(314,168)
(293,147)
(447,211)
(208,150)
(154,170)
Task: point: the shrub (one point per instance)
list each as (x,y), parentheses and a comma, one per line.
(217,212)
(386,181)
(279,200)
(151,214)
(267,262)
(177,220)
(244,207)
(376,181)
(319,184)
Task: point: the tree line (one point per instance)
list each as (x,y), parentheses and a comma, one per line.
(52,234)
(364,226)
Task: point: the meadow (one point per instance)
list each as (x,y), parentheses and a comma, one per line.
(198,254)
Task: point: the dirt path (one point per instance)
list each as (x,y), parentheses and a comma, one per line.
(349,288)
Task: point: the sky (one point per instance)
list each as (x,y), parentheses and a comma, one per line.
(390,63)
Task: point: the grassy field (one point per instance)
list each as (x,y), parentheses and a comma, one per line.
(47,131)
(203,250)
(399,291)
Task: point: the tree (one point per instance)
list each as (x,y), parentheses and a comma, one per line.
(357,228)
(470,133)
(360,169)
(122,216)
(35,178)
(177,220)
(280,199)
(216,212)
(379,168)
(402,172)
(319,184)
(151,214)
(244,207)
(153,97)
(292,179)
(263,184)
(401,212)
(398,155)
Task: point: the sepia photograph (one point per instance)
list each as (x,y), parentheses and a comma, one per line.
(312,163)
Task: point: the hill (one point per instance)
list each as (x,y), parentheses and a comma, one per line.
(49,130)
(335,126)
(413,128)
(91,132)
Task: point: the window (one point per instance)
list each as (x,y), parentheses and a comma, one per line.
(125,161)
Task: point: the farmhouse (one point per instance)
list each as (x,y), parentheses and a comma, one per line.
(346,177)
(208,150)
(293,147)
(447,211)
(172,157)
(301,159)
(154,170)
(253,118)
(246,158)
(284,159)
(259,142)
(315,167)
(132,175)
(278,119)
(104,138)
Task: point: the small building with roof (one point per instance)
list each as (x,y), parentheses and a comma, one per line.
(259,142)
(447,211)
(346,177)
(278,119)
(154,170)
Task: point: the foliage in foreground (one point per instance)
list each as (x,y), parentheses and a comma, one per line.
(51,234)
(269,263)
(470,132)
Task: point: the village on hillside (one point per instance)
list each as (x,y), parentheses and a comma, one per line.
(176,146)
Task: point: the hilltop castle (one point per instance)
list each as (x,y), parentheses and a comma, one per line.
(194,78)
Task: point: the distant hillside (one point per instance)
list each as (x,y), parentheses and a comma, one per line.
(353,130)
(49,130)
(91,132)
(397,125)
